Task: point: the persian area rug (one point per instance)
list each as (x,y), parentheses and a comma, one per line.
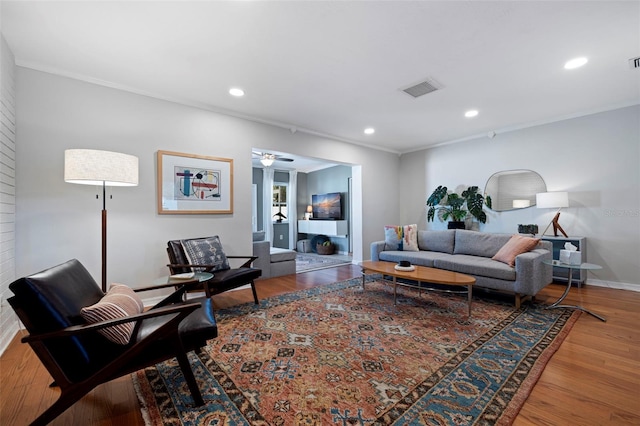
(338,355)
(306,262)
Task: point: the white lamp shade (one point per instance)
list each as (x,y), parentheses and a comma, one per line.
(95,167)
(552,200)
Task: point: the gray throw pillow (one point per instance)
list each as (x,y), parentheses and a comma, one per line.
(206,251)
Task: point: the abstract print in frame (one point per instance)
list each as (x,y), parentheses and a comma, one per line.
(194,184)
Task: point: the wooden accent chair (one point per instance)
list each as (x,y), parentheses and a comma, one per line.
(206,254)
(78,357)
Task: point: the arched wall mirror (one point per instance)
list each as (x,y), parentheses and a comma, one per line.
(514,189)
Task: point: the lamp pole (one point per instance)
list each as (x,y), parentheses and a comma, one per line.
(104,237)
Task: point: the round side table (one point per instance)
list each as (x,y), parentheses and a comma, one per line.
(583,267)
(197,277)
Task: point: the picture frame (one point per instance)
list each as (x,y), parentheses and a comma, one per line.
(194,184)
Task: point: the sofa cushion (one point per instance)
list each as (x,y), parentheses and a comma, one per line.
(441,241)
(282,255)
(119,302)
(477,266)
(401,238)
(516,245)
(420,258)
(206,251)
(258,236)
(479,243)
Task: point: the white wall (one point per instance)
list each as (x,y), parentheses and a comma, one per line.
(8,321)
(595,158)
(57,221)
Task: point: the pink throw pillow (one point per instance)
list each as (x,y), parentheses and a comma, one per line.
(516,245)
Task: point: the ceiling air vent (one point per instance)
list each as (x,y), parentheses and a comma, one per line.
(634,62)
(422,88)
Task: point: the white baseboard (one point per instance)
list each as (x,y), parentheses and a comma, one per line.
(7,336)
(613,284)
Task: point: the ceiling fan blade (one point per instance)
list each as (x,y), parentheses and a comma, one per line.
(284,159)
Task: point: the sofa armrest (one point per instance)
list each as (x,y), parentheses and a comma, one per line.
(531,274)
(377,247)
(262,253)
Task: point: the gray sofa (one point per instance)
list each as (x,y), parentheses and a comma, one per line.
(470,252)
(273,261)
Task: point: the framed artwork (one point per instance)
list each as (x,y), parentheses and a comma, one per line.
(194,184)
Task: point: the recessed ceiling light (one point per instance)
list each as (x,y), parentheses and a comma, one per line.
(235,91)
(471,113)
(575,63)
(369,131)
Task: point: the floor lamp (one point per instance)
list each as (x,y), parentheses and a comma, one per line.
(105,168)
(553,200)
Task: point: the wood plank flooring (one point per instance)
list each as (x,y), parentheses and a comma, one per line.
(593,379)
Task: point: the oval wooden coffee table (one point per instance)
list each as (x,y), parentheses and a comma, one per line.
(421,274)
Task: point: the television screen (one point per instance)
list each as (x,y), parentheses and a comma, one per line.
(327,206)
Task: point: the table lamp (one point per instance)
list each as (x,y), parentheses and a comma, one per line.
(309,214)
(553,200)
(106,168)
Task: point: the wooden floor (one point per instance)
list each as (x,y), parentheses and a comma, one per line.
(593,379)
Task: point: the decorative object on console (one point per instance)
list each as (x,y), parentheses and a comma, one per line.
(105,168)
(401,238)
(457,207)
(528,229)
(513,189)
(309,214)
(553,200)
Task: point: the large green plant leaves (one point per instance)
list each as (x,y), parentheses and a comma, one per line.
(453,205)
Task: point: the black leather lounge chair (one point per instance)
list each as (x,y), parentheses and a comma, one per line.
(206,254)
(78,357)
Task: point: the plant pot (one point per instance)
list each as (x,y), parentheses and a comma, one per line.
(456,224)
(322,249)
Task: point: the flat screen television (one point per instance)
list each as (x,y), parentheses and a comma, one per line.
(327,206)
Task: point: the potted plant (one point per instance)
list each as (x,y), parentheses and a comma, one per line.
(457,207)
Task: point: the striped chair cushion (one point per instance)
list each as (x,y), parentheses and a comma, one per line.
(119,302)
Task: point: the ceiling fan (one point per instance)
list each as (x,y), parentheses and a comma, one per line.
(267,159)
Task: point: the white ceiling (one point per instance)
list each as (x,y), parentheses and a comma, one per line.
(333,68)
